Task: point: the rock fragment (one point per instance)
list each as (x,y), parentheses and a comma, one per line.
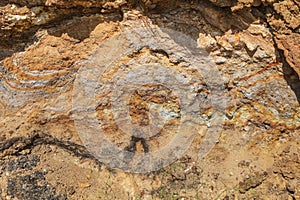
(290,45)
(207,42)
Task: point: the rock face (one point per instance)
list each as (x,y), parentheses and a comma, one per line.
(237,59)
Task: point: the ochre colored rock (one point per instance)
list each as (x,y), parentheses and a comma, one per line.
(213,67)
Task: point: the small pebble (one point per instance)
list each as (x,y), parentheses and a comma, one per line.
(84,184)
(220,60)
(88,176)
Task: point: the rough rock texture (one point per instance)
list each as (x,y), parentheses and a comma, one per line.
(255,45)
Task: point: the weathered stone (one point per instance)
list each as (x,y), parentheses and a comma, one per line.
(289,11)
(290,45)
(207,42)
(45,44)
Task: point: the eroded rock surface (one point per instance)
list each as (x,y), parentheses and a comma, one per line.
(255,47)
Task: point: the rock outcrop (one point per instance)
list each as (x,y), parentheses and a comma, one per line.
(253,45)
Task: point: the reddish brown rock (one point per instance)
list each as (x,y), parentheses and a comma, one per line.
(290,45)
